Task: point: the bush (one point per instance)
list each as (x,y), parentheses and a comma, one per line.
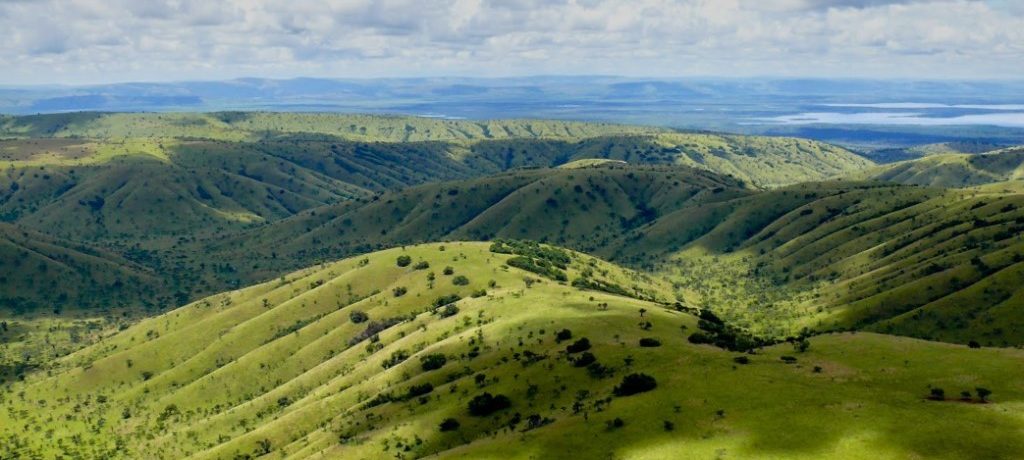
(419,390)
(578,346)
(487,404)
(445,300)
(449,424)
(460,280)
(395,359)
(449,270)
(599,371)
(648,342)
(585,359)
(421,265)
(788,359)
(433,361)
(563,335)
(974,344)
(635,383)
(404,261)
(937,394)
(615,423)
(741,360)
(448,311)
(358,317)
(983,393)
(399,291)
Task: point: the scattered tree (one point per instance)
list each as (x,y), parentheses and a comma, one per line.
(635,383)
(404,261)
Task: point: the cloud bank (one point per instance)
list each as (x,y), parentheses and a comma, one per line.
(83,41)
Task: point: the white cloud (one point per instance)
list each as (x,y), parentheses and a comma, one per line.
(114,40)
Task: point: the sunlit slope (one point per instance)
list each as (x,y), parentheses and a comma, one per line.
(905,260)
(290,369)
(240,126)
(953,170)
(42,272)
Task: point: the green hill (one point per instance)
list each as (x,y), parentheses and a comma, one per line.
(40,272)
(374,357)
(953,170)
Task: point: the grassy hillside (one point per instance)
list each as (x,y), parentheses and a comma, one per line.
(928,263)
(953,170)
(40,272)
(891,155)
(585,208)
(250,126)
(363,358)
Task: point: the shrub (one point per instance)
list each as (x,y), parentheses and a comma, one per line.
(358,317)
(449,424)
(396,358)
(449,270)
(487,404)
(421,265)
(614,423)
(983,393)
(741,360)
(448,311)
(974,344)
(404,261)
(419,390)
(937,394)
(460,280)
(578,346)
(445,300)
(788,359)
(399,291)
(433,361)
(668,426)
(585,359)
(648,342)
(599,371)
(563,335)
(635,383)
(801,345)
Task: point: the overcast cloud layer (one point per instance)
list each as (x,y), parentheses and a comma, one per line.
(85,41)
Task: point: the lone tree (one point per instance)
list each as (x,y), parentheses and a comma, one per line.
(563,335)
(449,424)
(635,383)
(404,261)
(937,394)
(487,404)
(433,361)
(983,393)
(582,344)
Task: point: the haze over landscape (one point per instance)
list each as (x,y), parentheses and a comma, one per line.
(652,229)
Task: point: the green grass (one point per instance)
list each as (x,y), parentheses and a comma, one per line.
(270,368)
(953,170)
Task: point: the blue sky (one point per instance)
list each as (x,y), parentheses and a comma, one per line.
(94,41)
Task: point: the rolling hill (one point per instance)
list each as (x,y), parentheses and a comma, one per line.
(44,273)
(378,356)
(953,170)
(901,259)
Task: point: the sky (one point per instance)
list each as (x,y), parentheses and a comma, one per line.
(101,41)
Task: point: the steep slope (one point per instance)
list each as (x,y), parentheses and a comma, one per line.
(935,264)
(356,359)
(586,209)
(39,272)
(901,259)
(953,170)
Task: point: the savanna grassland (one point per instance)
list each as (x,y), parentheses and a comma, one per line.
(287,285)
(373,357)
